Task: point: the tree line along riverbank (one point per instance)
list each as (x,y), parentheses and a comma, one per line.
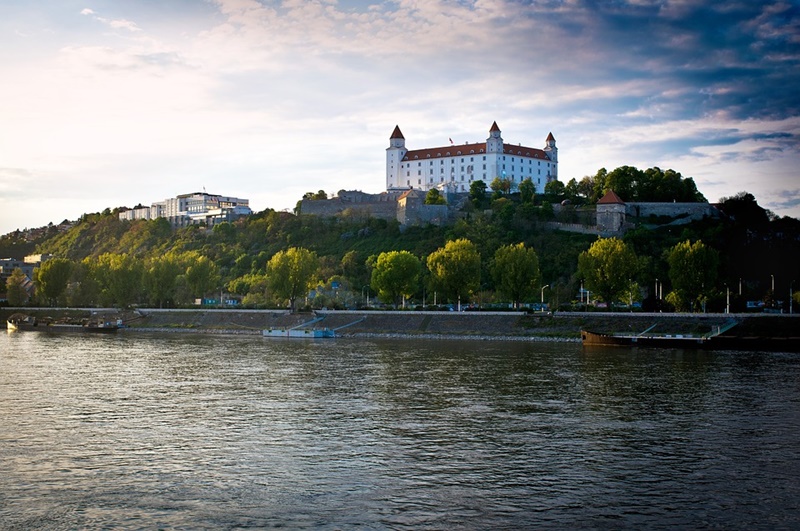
(478,325)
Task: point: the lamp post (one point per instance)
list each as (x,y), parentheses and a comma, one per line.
(544,288)
(630,294)
(366,297)
(727,299)
(740,286)
(773,283)
(655,291)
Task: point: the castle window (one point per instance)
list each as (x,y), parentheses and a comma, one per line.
(419,181)
(472,159)
(512,159)
(418,163)
(471,151)
(484,158)
(442,171)
(429,156)
(431,171)
(408,173)
(419,172)
(484,166)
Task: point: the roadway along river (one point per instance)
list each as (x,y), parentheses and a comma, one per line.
(141,431)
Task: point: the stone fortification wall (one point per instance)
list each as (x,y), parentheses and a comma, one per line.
(383,206)
(693,210)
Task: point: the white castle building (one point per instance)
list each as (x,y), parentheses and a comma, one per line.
(453,168)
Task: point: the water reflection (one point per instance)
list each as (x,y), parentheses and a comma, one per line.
(143,431)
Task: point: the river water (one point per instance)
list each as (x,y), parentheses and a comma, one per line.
(173,431)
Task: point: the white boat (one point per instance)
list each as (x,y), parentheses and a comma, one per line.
(307,333)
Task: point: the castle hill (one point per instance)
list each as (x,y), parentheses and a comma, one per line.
(461,228)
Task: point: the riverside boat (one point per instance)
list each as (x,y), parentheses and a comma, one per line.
(716,340)
(27,323)
(306,333)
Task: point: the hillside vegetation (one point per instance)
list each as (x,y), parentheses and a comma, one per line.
(173,267)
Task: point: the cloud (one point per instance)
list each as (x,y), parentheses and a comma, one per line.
(112,23)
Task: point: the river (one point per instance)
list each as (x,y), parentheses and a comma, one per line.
(173,431)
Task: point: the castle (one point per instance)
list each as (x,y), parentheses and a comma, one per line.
(453,168)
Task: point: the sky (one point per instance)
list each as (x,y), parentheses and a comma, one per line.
(106,104)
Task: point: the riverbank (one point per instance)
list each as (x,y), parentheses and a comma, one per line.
(431,325)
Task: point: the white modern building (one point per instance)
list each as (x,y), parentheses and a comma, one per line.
(188,209)
(453,168)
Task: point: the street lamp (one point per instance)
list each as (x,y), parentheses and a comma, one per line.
(366,298)
(773,283)
(544,288)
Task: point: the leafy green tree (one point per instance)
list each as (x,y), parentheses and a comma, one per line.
(477,193)
(455,269)
(607,267)
(571,190)
(554,188)
(202,276)
(119,277)
(433,197)
(160,279)
(354,268)
(395,276)
(15,288)
(624,181)
(290,273)
(83,288)
(52,278)
(693,273)
(516,271)
(500,186)
(527,191)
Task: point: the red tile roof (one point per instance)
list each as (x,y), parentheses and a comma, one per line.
(460,150)
(611,198)
(550,138)
(396,133)
(494,127)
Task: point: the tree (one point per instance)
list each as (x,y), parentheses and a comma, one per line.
(527,190)
(15,288)
(607,267)
(554,188)
(395,276)
(291,273)
(433,197)
(160,279)
(477,193)
(455,269)
(500,186)
(52,277)
(202,276)
(693,273)
(516,271)
(571,189)
(120,278)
